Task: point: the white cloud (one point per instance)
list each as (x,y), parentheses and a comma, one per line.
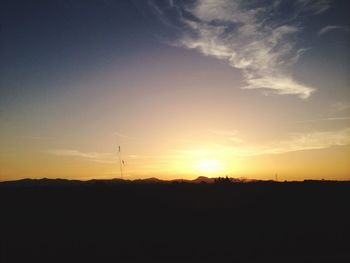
(329,28)
(247,35)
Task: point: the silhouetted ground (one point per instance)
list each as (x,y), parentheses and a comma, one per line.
(237,222)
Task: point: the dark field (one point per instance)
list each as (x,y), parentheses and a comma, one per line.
(237,222)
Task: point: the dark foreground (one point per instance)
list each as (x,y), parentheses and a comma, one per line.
(252,222)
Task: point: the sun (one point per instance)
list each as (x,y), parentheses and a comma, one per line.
(208,166)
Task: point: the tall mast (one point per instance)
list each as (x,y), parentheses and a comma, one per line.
(120,163)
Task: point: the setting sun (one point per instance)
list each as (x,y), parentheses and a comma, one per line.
(209,166)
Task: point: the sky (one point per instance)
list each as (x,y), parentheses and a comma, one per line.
(247,89)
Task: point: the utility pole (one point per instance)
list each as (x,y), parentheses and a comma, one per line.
(120,163)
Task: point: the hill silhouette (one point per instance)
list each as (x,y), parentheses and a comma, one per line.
(151,180)
(164,221)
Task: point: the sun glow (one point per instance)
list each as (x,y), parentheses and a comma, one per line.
(209,166)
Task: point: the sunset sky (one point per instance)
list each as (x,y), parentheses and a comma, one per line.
(186,88)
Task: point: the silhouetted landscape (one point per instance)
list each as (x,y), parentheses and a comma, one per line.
(178,221)
(252,96)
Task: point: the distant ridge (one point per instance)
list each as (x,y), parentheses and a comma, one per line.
(152,180)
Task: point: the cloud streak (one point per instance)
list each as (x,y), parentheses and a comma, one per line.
(326,119)
(309,141)
(91,156)
(329,28)
(122,135)
(295,142)
(250,36)
(238,148)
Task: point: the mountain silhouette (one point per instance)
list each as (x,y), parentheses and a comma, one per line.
(203,179)
(151,180)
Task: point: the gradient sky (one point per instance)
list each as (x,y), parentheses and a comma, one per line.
(187,88)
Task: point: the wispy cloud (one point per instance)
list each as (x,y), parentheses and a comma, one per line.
(254,36)
(92,156)
(231,136)
(122,135)
(29,137)
(329,28)
(309,141)
(315,7)
(295,142)
(226,151)
(326,119)
(340,106)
